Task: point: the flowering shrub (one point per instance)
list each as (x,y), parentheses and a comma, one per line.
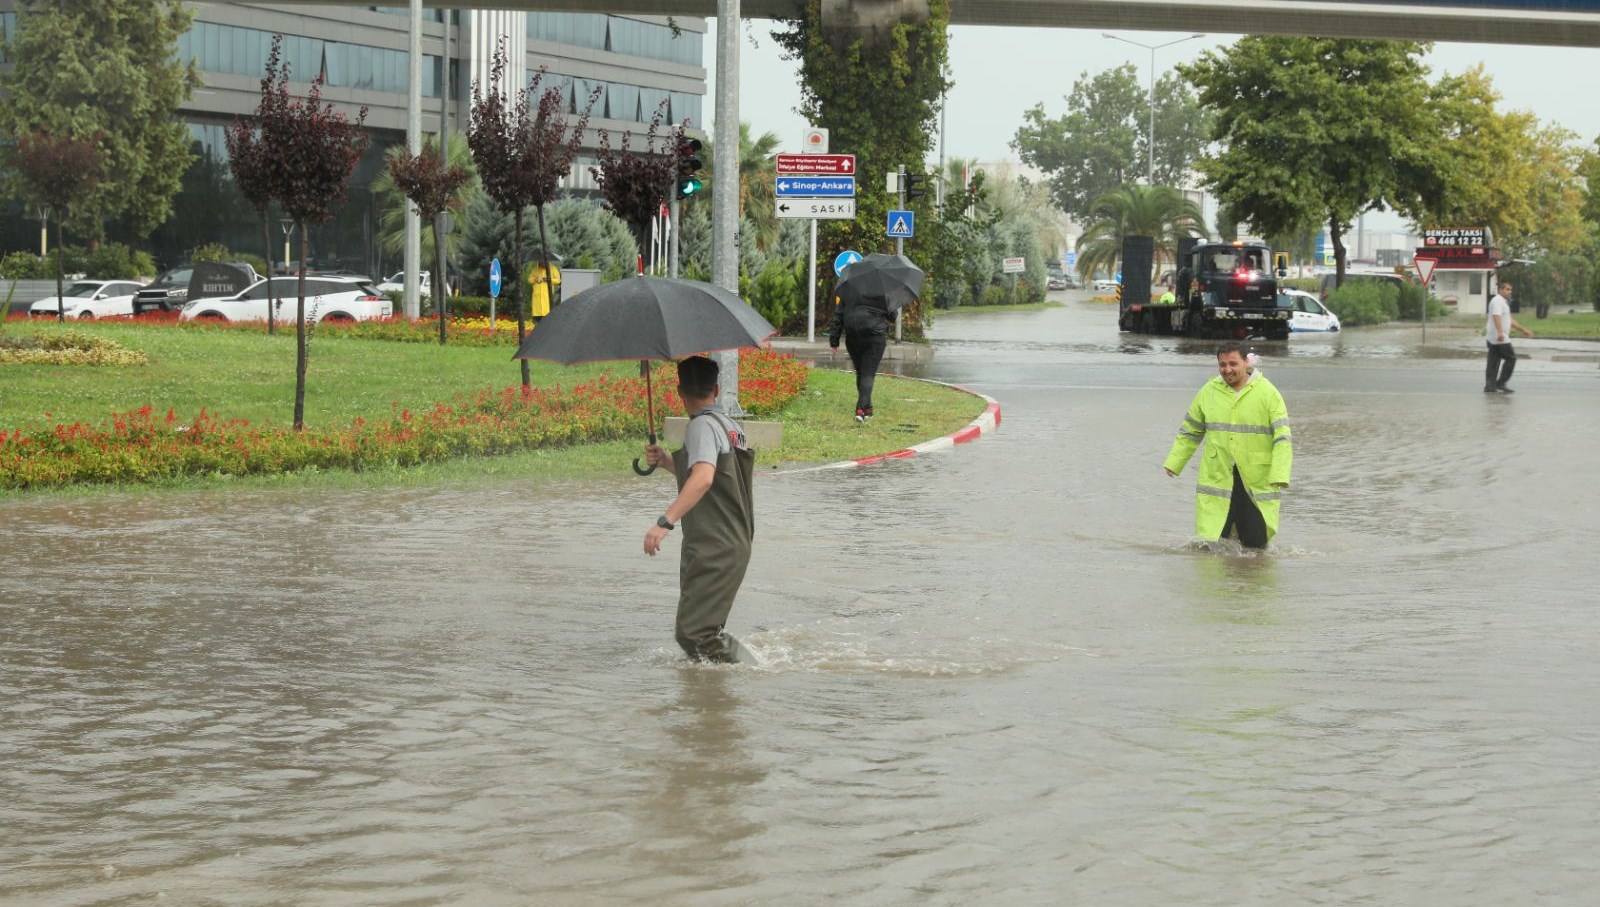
(143,446)
(67,348)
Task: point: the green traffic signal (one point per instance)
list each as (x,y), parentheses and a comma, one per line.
(689,185)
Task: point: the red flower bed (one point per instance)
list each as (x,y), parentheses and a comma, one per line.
(145,445)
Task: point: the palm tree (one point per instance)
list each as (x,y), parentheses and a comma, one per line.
(392,208)
(1160,212)
(757,174)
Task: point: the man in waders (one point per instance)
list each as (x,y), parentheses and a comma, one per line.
(1244,423)
(717,511)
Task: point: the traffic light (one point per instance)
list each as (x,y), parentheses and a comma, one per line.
(689,164)
(915,187)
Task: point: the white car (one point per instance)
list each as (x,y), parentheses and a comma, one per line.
(1309,312)
(327,298)
(396,283)
(88,299)
(1105,285)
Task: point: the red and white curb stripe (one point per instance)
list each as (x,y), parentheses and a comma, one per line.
(987,421)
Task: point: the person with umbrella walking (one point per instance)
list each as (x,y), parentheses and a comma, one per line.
(716,509)
(865,301)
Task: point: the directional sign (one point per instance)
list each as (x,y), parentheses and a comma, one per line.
(1424,267)
(830,164)
(494,278)
(817,208)
(1072,259)
(815,186)
(844,260)
(902,224)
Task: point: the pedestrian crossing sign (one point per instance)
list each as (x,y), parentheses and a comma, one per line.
(902,224)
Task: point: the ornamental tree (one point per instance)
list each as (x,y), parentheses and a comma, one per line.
(522,155)
(432,187)
(60,173)
(310,149)
(633,186)
(251,165)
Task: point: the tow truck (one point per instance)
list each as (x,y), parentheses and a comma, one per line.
(1225,290)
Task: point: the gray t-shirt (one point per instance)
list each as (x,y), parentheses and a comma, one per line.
(707,437)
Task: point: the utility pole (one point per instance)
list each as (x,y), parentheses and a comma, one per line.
(725,204)
(1150,139)
(899,241)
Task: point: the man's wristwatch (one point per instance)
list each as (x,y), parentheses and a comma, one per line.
(662,522)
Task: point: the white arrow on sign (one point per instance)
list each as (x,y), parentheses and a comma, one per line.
(816,208)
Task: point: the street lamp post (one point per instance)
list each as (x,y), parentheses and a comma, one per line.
(288,229)
(1150,152)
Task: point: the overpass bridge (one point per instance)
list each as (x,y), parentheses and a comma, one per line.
(1565,23)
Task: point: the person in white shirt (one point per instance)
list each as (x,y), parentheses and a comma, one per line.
(1497,331)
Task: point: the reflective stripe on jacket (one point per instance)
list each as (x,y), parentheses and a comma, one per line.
(1250,430)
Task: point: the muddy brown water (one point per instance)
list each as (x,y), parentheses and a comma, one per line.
(997,674)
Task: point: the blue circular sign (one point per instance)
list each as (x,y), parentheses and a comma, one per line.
(845,259)
(494,278)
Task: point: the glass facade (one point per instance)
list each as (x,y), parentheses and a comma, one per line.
(243,52)
(631,103)
(618,35)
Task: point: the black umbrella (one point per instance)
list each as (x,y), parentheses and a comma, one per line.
(890,281)
(645,318)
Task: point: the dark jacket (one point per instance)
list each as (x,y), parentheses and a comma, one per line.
(858,319)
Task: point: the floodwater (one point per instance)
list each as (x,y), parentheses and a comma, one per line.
(1000,674)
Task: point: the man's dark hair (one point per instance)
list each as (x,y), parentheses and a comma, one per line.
(1234,346)
(697,376)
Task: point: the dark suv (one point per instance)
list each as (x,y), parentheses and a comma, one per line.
(170,291)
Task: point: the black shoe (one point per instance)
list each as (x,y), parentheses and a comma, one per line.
(861,415)
(1503,389)
(1489,388)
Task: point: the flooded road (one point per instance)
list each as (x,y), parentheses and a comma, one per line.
(998,674)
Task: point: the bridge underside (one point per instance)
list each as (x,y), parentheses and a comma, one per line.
(1474,24)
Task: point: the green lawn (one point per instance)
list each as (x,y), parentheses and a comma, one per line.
(1578,325)
(992,309)
(245,374)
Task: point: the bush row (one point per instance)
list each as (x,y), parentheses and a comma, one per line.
(144,446)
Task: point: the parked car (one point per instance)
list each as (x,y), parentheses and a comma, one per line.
(1309,312)
(396,283)
(170,291)
(1105,285)
(327,299)
(87,299)
(1056,281)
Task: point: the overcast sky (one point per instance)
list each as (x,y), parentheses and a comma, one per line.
(1001,72)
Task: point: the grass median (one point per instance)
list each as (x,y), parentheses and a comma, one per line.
(247,375)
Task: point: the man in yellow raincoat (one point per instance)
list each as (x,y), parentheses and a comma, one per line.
(1244,423)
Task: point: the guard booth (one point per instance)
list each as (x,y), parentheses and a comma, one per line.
(1463,277)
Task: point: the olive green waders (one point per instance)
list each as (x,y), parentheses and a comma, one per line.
(716,551)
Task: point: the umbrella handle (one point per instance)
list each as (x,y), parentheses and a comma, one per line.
(650,409)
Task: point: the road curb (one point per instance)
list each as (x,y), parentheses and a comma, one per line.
(987,421)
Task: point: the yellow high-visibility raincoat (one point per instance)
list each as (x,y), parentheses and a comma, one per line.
(544,286)
(1248,429)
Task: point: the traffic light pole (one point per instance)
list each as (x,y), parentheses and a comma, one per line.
(900,243)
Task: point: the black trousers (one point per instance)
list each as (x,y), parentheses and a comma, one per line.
(1502,362)
(866,353)
(1244,517)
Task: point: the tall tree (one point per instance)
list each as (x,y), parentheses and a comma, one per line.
(311,151)
(430,185)
(1101,143)
(1160,212)
(59,174)
(111,70)
(1320,130)
(877,86)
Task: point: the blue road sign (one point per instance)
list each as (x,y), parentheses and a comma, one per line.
(815,186)
(902,224)
(844,260)
(1072,259)
(494,278)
